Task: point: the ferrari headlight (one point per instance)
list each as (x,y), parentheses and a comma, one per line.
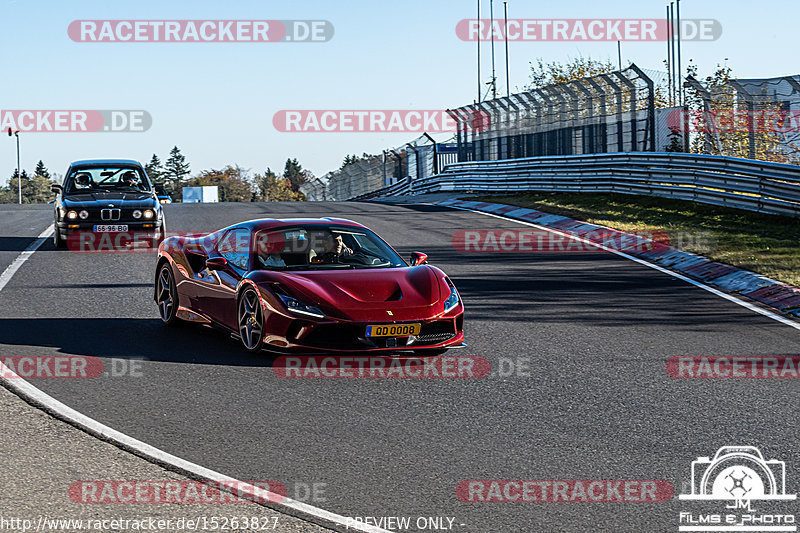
(148,213)
(452,300)
(296,306)
(72,215)
(137,214)
(84,214)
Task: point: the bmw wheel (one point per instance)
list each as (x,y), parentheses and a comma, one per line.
(57,240)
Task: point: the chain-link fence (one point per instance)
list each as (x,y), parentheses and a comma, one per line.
(613,112)
(421,158)
(629,110)
(749,118)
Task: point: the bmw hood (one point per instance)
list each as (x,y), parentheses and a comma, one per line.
(128,200)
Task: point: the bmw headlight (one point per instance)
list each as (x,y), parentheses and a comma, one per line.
(296,306)
(72,215)
(453,299)
(148,213)
(84,214)
(137,214)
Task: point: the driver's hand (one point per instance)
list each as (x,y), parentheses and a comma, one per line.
(347,251)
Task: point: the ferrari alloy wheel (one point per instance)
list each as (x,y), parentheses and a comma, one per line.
(167,296)
(251,320)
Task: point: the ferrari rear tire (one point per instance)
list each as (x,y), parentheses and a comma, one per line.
(167,296)
(251,320)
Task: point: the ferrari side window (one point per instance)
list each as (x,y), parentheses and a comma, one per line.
(235,247)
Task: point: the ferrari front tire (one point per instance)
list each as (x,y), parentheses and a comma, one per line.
(251,320)
(167,296)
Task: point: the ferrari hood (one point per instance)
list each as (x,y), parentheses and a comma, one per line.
(359,291)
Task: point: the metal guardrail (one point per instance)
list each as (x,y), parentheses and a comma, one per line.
(727,181)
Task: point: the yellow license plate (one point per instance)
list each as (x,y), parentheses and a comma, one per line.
(393,330)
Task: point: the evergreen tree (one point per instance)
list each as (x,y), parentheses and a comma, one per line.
(154,170)
(41,170)
(293,171)
(176,168)
(272,188)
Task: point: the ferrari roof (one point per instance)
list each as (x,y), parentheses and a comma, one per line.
(272,223)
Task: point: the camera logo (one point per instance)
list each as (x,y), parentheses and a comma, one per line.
(738,473)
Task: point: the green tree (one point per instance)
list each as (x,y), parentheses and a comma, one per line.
(41,170)
(293,171)
(350,159)
(35,190)
(543,74)
(232,181)
(6,197)
(176,168)
(155,170)
(272,188)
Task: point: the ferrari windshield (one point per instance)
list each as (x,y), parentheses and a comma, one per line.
(322,247)
(99,179)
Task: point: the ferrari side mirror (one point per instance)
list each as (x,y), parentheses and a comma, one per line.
(418,258)
(216,263)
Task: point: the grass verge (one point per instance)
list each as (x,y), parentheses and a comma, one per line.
(767,244)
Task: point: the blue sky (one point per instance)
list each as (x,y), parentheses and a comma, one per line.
(216,101)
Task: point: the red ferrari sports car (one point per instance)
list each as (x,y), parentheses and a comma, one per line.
(308,285)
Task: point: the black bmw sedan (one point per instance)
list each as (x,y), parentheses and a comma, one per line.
(107,200)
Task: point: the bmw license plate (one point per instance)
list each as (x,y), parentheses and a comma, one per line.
(393,330)
(102,228)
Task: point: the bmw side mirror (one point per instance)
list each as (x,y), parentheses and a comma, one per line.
(56,188)
(418,258)
(216,263)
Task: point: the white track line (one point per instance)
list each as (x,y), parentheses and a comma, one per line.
(712,290)
(35,396)
(5,277)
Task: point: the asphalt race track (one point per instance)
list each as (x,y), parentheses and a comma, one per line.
(595,330)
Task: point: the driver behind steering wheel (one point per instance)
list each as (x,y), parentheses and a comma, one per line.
(334,248)
(130,179)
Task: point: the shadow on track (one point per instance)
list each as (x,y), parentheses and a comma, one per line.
(15,244)
(128,338)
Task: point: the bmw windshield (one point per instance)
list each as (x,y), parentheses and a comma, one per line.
(106,179)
